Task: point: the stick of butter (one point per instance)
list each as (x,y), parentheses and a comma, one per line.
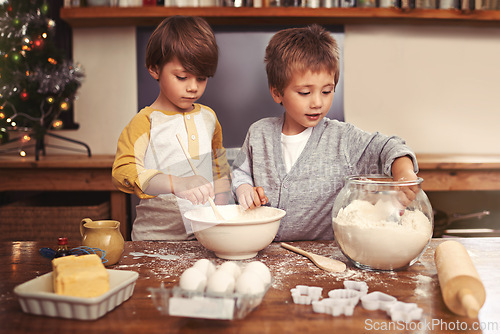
(80,276)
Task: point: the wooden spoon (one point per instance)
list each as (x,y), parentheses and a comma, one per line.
(218,215)
(322,262)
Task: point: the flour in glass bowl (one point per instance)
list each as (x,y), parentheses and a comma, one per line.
(367,237)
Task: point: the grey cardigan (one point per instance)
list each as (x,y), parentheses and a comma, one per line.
(334,151)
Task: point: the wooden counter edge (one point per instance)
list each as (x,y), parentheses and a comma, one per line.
(58,161)
(426,161)
(458,161)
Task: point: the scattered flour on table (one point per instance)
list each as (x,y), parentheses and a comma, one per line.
(366,236)
(423,287)
(162,261)
(159,256)
(286,269)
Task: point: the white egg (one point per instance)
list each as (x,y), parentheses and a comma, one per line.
(205,266)
(193,279)
(221,281)
(231,267)
(260,269)
(249,283)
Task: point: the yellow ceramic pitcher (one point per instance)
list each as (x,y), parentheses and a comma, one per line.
(105,235)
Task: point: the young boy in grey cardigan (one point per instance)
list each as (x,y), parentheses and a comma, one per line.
(298,162)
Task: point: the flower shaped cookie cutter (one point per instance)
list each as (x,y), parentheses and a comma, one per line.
(377,301)
(350,296)
(340,301)
(305,295)
(343,301)
(362,287)
(334,306)
(400,311)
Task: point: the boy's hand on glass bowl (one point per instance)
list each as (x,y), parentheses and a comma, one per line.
(402,170)
(194,188)
(251,197)
(407,193)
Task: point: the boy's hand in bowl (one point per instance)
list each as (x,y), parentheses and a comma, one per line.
(251,197)
(194,188)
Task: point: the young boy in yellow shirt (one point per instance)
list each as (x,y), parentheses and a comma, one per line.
(181,54)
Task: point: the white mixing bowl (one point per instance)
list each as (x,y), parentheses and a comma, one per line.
(241,235)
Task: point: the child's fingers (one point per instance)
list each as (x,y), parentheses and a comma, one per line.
(252,197)
(198,196)
(262,195)
(203,194)
(256,200)
(408,195)
(190,196)
(206,191)
(246,200)
(264,200)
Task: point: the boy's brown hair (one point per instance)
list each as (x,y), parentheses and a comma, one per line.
(190,39)
(300,49)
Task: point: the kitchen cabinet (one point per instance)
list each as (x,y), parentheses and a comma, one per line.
(441,172)
(151,16)
(63,173)
(459,172)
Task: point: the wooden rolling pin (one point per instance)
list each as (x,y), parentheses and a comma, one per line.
(461,287)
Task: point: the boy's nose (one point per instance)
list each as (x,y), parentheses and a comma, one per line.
(316,101)
(192,86)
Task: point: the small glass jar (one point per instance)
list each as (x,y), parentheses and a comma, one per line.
(62,248)
(374,229)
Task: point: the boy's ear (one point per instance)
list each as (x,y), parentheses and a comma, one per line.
(154,72)
(275,94)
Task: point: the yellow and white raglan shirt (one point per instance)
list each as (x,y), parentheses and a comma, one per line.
(148,146)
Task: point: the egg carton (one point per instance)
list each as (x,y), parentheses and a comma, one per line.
(209,292)
(205,305)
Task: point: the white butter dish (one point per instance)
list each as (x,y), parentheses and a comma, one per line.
(37,297)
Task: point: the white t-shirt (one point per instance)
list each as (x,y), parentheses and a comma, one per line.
(292,147)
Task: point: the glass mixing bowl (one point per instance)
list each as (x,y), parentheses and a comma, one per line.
(374,225)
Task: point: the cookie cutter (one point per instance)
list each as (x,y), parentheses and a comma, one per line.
(334,306)
(377,300)
(305,295)
(362,287)
(400,311)
(350,296)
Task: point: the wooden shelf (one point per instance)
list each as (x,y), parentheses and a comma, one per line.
(459,172)
(65,173)
(151,16)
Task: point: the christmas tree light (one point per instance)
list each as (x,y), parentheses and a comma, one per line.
(37,82)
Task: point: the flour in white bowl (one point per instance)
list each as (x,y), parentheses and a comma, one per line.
(235,214)
(366,236)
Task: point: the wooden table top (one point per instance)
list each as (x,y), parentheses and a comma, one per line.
(70,161)
(458,161)
(158,262)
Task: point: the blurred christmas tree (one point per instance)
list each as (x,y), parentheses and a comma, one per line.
(37,82)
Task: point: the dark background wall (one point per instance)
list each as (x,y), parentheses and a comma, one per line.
(238,92)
